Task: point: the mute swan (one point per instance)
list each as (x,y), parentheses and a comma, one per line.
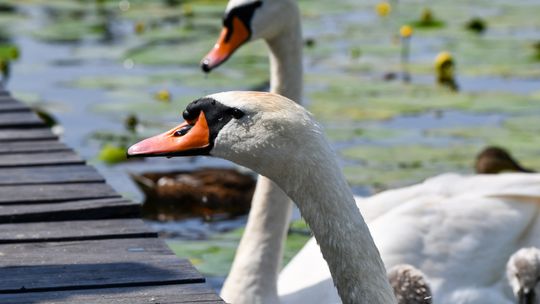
(458,230)
(254,272)
(409,284)
(523,271)
(260,131)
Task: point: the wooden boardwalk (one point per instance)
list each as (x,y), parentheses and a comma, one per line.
(68,237)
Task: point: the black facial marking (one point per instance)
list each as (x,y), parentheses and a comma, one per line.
(237,113)
(244,13)
(217,115)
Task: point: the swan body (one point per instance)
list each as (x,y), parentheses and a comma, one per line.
(259,131)
(458,230)
(254,272)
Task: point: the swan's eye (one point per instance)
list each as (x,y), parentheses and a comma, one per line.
(183,131)
(236,113)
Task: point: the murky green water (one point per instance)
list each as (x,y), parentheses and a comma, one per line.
(85,63)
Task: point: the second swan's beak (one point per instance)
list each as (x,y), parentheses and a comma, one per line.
(231,38)
(189,138)
(526,296)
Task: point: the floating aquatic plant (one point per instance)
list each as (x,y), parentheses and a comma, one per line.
(139,27)
(8,53)
(112,154)
(310,42)
(476,25)
(536,47)
(131,122)
(187,11)
(163,95)
(428,20)
(355,52)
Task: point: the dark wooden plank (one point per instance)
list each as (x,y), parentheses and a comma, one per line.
(35,194)
(19,119)
(32,146)
(8,134)
(9,104)
(74,231)
(168,294)
(49,175)
(91,264)
(38,159)
(71,210)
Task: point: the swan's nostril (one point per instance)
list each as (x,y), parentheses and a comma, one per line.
(183,131)
(205,65)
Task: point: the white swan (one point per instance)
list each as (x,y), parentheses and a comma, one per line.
(261,131)
(523,272)
(255,269)
(458,230)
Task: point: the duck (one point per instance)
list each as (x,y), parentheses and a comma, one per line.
(410,285)
(493,160)
(259,130)
(278,23)
(209,193)
(523,273)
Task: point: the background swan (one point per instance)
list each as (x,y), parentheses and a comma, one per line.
(277,138)
(523,272)
(253,274)
(458,230)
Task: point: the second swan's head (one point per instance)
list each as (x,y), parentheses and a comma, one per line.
(262,131)
(249,20)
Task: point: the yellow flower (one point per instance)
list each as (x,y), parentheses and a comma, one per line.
(406,31)
(444,69)
(139,27)
(383,9)
(163,95)
(187,10)
(442,59)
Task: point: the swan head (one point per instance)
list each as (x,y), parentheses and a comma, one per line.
(523,273)
(253,129)
(249,20)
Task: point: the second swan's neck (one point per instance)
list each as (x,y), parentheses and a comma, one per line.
(286,62)
(254,272)
(315,182)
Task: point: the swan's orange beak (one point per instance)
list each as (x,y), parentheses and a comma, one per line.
(229,40)
(189,138)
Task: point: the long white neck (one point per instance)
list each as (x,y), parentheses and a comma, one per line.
(254,272)
(327,204)
(286,62)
